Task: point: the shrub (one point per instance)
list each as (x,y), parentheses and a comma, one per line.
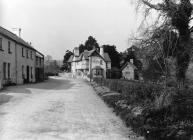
(151,110)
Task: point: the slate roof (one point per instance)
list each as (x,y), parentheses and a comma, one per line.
(128,63)
(106,57)
(70,59)
(14,37)
(87,54)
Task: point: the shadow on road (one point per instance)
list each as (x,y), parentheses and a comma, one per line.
(4,98)
(53,83)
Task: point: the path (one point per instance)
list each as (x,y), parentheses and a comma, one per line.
(59,109)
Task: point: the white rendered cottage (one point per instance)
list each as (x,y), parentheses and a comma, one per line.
(90,63)
(128,70)
(17,59)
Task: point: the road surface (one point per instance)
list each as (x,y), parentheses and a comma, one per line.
(58,109)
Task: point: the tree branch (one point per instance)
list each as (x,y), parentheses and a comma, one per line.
(154,6)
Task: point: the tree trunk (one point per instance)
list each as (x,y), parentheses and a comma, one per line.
(182,61)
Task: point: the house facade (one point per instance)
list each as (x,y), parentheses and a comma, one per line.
(17,59)
(129,71)
(39,67)
(90,63)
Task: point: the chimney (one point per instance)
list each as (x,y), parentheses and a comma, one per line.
(131,60)
(102,51)
(76,51)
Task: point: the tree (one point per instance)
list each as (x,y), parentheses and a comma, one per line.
(113,54)
(131,53)
(66,64)
(176,14)
(81,48)
(91,43)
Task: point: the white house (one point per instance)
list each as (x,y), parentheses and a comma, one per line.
(90,63)
(17,59)
(128,70)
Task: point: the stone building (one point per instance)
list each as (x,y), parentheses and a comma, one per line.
(90,63)
(17,59)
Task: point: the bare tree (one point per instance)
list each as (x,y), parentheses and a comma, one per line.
(177,14)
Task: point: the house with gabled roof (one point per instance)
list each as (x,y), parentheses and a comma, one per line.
(17,59)
(129,70)
(90,63)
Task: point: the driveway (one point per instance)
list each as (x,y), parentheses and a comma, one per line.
(58,109)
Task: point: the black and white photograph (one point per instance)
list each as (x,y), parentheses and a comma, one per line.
(96,69)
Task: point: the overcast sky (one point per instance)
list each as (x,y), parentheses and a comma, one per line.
(53,26)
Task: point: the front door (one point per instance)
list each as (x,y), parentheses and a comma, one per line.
(27,72)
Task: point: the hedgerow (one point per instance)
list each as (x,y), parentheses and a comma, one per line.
(150,110)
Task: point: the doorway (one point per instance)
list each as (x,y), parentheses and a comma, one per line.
(28,74)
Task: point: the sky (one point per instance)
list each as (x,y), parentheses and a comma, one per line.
(54,26)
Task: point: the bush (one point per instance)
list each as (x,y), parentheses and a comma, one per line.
(151,110)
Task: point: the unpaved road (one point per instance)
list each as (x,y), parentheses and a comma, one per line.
(59,109)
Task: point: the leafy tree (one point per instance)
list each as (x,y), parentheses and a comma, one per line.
(90,44)
(113,54)
(176,14)
(131,53)
(66,65)
(81,48)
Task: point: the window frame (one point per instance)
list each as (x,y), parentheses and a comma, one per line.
(9,47)
(23,52)
(1,44)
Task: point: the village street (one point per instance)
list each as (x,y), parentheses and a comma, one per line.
(58,109)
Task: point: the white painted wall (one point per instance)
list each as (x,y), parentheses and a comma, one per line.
(128,72)
(23,60)
(16,61)
(96,61)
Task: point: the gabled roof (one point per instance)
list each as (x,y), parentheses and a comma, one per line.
(130,64)
(86,54)
(70,59)
(106,57)
(14,37)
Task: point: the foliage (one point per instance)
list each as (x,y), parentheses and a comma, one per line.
(139,107)
(66,65)
(90,44)
(176,14)
(131,53)
(113,54)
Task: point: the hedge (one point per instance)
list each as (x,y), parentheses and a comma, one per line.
(150,110)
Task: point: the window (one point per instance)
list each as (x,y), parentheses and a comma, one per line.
(23,52)
(1,47)
(9,70)
(101,62)
(27,55)
(9,47)
(97,72)
(23,76)
(31,72)
(40,61)
(31,55)
(4,71)
(36,60)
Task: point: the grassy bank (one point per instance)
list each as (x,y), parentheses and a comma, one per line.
(150,110)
